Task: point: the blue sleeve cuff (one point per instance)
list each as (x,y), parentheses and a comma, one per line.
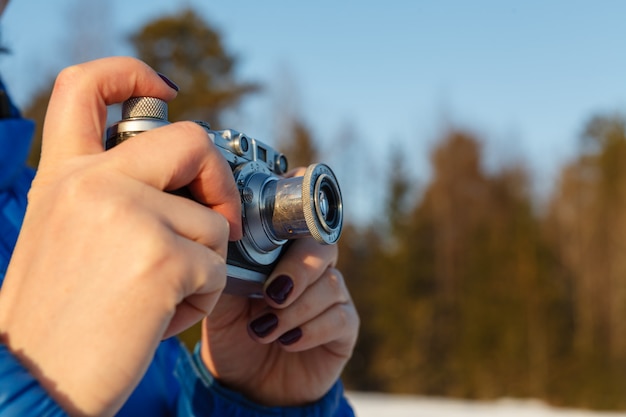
(203,395)
(20,392)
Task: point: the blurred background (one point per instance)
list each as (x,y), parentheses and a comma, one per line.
(481,149)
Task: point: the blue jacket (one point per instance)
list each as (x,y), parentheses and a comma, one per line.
(176,384)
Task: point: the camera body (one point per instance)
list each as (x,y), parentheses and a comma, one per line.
(275,209)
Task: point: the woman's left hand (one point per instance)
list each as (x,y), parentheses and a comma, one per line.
(290,347)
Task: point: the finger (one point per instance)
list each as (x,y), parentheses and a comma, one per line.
(191,220)
(182,154)
(77,109)
(303,263)
(193,309)
(207,271)
(296,172)
(336,329)
(329,290)
(204,278)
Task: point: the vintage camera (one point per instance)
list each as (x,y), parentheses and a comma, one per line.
(274,209)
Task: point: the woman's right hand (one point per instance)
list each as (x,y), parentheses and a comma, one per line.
(107,264)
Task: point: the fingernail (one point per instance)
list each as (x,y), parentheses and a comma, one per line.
(264,325)
(169,82)
(280,289)
(291,337)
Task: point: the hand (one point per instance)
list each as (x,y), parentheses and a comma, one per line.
(290,347)
(107,264)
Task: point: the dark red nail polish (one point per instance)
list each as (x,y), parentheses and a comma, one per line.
(291,337)
(169,82)
(280,289)
(264,325)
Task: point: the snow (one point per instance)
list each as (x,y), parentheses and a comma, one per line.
(377,405)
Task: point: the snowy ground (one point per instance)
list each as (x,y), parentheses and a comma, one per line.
(382,405)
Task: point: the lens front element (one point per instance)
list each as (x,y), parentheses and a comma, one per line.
(322,203)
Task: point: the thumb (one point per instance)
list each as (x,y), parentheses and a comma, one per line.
(76,115)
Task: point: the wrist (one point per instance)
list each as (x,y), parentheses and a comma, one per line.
(217,397)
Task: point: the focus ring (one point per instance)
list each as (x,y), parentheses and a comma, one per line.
(308,204)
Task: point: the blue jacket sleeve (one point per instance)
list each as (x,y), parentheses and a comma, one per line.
(176,384)
(202,395)
(20,393)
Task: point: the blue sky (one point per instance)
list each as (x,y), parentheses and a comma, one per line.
(526,76)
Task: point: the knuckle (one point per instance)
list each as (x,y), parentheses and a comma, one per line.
(83,186)
(153,250)
(209,273)
(159,267)
(214,262)
(343,318)
(69,76)
(348,318)
(195,135)
(336,283)
(218,279)
(92,193)
(224,230)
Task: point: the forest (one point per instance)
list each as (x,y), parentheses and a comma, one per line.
(470,287)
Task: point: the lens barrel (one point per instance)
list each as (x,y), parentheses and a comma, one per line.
(310,205)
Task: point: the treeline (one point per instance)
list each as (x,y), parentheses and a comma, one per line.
(469,290)
(474,292)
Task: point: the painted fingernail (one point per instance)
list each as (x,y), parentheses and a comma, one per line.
(169,82)
(291,337)
(280,289)
(264,325)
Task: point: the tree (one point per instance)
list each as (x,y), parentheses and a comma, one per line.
(460,304)
(588,214)
(398,202)
(190,52)
(587,225)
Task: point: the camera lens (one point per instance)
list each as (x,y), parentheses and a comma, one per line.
(328,202)
(303,206)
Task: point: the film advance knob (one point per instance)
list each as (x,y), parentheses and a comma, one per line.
(144,107)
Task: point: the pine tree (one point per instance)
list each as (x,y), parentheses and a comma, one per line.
(190,52)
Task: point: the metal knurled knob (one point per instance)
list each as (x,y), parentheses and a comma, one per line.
(151,107)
